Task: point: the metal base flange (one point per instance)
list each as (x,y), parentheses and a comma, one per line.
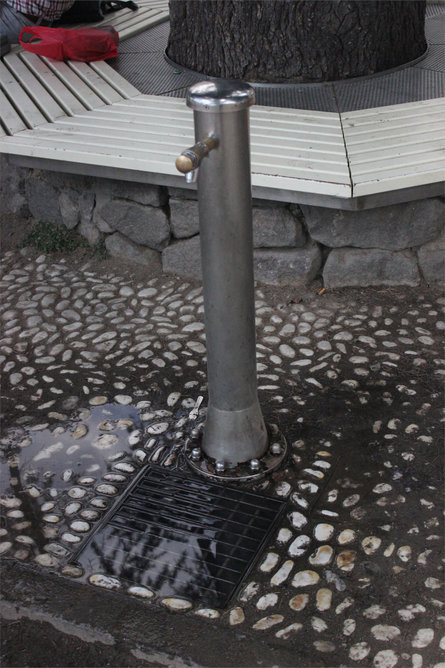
(255,469)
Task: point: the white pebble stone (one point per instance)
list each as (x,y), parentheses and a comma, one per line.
(349,626)
(351,500)
(324,646)
(382,488)
(345,560)
(408,613)
(374,611)
(346,536)
(287,351)
(173,398)
(371,544)
(269,562)
(299,602)
(10,502)
(51,519)
(104,441)
(5,546)
(404,553)
(284,536)
(433,583)
(386,658)
(283,489)
(70,538)
(298,520)
(299,546)
(123,399)
(98,401)
(236,616)
(76,492)
(249,591)
(323,531)
(104,581)
(109,490)
(359,651)
(208,613)
(158,428)
(267,601)
(72,508)
(323,599)
(45,560)
(305,578)
(141,592)
(385,632)
(318,624)
(80,431)
(322,556)
(282,574)
(79,526)
(288,630)
(423,638)
(267,622)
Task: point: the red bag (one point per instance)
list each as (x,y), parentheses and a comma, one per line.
(85,44)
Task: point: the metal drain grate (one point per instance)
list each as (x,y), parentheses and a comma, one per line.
(184,537)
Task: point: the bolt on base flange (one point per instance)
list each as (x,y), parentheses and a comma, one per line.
(255,469)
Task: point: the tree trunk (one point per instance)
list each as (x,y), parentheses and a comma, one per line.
(295,40)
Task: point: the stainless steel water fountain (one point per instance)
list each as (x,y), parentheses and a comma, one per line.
(235,442)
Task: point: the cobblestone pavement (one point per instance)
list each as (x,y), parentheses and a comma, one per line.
(104,374)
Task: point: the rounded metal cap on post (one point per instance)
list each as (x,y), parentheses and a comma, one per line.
(220,96)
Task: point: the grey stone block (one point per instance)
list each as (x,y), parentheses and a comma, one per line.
(90,232)
(101,224)
(62,181)
(119,246)
(183,193)
(352,267)
(183,258)
(394,227)
(184,218)
(43,201)
(276,227)
(69,208)
(86,207)
(432,259)
(144,225)
(142,193)
(292,266)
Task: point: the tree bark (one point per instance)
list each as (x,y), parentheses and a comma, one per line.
(295,40)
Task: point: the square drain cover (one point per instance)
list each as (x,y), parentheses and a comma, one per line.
(183,536)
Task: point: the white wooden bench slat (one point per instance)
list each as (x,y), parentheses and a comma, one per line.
(368,141)
(14,91)
(119,146)
(9,116)
(163,163)
(416,177)
(52,83)
(138,130)
(124,138)
(125,89)
(396,165)
(43,100)
(76,85)
(395,147)
(93,79)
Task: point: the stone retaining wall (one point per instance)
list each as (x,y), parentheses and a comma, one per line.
(401,244)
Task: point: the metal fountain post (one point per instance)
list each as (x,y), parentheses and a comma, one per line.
(235,443)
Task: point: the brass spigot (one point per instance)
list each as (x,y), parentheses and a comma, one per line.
(190,159)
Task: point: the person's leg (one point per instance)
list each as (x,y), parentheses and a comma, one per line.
(11,24)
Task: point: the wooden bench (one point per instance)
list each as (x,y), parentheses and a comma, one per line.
(86,118)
